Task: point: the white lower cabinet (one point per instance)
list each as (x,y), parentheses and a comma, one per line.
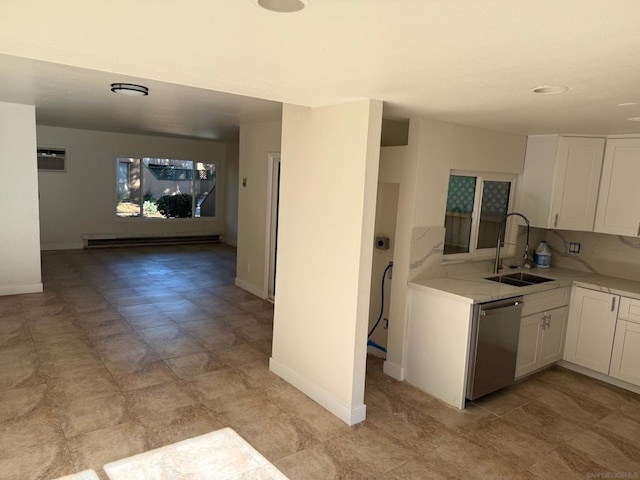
(529,344)
(553,335)
(542,333)
(590,329)
(625,358)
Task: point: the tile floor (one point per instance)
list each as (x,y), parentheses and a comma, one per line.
(131,349)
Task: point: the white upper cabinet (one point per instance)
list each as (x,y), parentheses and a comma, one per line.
(560,181)
(577,178)
(618,209)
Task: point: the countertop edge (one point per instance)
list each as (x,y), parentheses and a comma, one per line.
(443,293)
(474,288)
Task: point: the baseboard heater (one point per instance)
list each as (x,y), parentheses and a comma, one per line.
(103,241)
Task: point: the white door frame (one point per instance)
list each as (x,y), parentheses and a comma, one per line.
(271,224)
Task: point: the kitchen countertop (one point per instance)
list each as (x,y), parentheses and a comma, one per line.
(474,288)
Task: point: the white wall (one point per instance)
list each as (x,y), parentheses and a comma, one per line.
(422,169)
(399,165)
(386,212)
(231,194)
(82,200)
(329,171)
(20,232)
(256,142)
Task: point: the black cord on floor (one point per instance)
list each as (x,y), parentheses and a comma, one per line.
(384,277)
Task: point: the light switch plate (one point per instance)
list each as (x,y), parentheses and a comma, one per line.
(574,247)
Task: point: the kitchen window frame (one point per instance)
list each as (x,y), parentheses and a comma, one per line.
(511,231)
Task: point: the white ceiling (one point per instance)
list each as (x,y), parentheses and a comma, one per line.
(465,61)
(80,98)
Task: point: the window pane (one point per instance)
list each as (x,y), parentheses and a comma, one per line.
(495,202)
(205,185)
(128,187)
(168,188)
(457,221)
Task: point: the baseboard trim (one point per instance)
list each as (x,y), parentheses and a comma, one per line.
(373,351)
(21,289)
(350,416)
(250,288)
(393,370)
(599,376)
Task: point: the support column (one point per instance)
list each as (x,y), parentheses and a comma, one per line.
(20,232)
(329,172)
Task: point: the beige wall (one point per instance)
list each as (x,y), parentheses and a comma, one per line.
(20,232)
(484,150)
(400,164)
(329,166)
(82,199)
(256,142)
(232,169)
(422,168)
(386,212)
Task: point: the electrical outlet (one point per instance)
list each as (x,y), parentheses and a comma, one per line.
(574,247)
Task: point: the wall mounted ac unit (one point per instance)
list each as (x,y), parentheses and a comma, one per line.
(52,159)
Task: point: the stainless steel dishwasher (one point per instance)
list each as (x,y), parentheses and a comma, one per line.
(493,351)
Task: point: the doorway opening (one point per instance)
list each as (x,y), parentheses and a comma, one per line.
(273,204)
(381,272)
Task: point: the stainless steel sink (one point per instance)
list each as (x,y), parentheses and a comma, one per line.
(519,279)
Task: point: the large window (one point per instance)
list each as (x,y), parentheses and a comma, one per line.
(476,206)
(165,188)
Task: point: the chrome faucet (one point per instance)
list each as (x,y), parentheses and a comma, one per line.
(498,262)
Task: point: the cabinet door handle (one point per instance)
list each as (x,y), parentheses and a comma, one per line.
(613,303)
(555,224)
(545,317)
(638,234)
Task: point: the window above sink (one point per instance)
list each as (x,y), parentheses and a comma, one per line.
(476,205)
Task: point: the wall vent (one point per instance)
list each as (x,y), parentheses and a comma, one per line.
(52,159)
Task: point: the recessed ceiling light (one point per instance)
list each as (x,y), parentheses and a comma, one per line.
(627,104)
(550,89)
(634,119)
(282,6)
(130,89)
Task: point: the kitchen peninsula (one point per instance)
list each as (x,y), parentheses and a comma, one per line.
(440,326)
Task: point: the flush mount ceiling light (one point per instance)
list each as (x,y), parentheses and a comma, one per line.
(130,89)
(282,6)
(550,89)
